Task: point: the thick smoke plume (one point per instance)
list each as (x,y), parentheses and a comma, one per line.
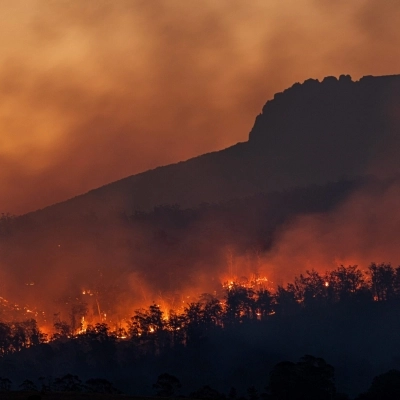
(94,92)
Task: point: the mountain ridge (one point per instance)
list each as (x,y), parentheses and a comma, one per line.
(285,149)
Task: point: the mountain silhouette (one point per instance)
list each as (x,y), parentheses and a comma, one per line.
(311,133)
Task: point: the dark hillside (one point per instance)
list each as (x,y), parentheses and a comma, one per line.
(311,133)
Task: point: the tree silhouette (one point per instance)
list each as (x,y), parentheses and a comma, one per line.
(207,393)
(263,303)
(176,326)
(345,282)
(28,386)
(240,303)
(286,303)
(62,328)
(148,327)
(32,333)
(100,333)
(100,385)
(232,394)
(311,289)
(68,383)
(46,386)
(383,387)
(5,384)
(382,281)
(309,379)
(166,385)
(194,317)
(252,393)
(212,311)
(101,343)
(5,338)
(147,322)
(78,311)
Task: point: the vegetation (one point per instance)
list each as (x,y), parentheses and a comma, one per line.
(151,335)
(249,302)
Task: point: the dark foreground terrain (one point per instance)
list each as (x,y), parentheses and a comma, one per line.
(67,396)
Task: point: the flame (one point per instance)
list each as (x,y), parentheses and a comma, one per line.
(255,282)
(102,309)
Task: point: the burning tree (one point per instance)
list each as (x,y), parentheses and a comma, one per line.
(149,327)
(16,336)
(77,315)
(346,280)
(147,322)
(240,303)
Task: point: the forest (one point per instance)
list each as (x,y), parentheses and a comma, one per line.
(250,336)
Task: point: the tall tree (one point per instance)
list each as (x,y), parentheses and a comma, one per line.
(309,379)
(167,385)
(382,281)
(383,387)
(346,282)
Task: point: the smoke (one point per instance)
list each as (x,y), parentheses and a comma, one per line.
(364,228)
(91,93)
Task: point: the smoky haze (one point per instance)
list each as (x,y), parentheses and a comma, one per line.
(93,93)
(326,138)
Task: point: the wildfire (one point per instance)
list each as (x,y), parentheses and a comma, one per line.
(13,311)
(94,312)
(88,307)
(83,325)
(255,282)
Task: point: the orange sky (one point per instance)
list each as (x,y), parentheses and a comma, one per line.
(95,91)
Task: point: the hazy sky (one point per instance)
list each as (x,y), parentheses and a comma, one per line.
(93,91)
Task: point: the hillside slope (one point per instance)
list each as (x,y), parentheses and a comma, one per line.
(311,133)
